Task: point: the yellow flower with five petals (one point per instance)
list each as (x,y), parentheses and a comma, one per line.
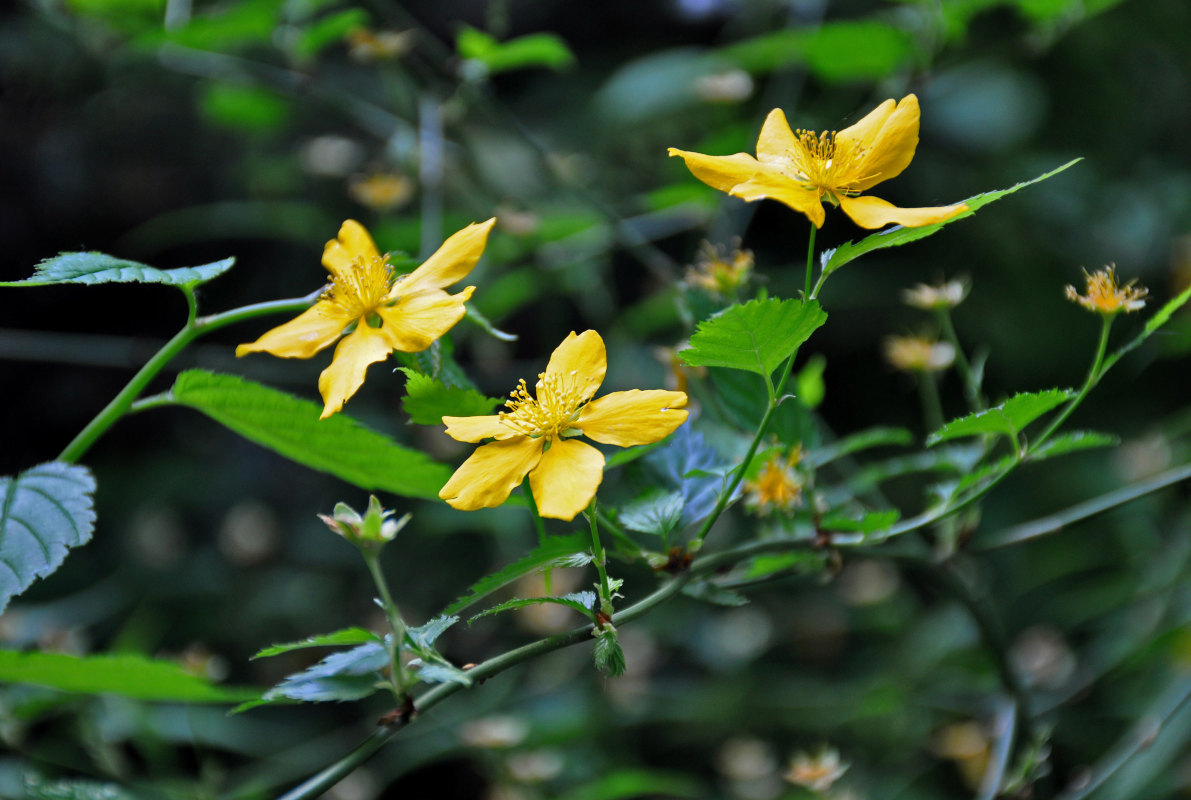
(536,436)
(371,312)
(803,169)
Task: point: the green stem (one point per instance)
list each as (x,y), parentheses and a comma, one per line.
(396,623)
(597,551)
(932,407)
(810,263)
(121,404)
(966,375)
(1092,379)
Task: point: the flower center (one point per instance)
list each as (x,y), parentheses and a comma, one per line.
(825,163)
(363,288)
(552,413)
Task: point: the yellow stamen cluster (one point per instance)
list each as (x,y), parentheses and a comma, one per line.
(1105,296)
(822,161)
(362,289)
(554,410)
(777,486)
(918,354)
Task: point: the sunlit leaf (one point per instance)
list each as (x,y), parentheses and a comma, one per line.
(291,426)
(436,672)
(340,637)
(1073,442)
(1009,418)
(423,637)
(427,400)
(44,511)
(532,50)
(350,675)
(92,268)
(125,675)
(583,602)
(899,235)
(684,465)
(658,512)
(757,336)
(557,551)
(870,522)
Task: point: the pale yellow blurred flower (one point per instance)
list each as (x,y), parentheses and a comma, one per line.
(1105,297)
(381,191)
(720,271)
(367,45)
(918,353)
(777,487)
(945,295)
(818,772)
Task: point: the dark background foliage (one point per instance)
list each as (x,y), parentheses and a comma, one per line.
(240,134)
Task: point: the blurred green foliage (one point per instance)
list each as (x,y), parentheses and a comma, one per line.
(177,134)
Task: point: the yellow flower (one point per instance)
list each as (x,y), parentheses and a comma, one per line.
(777,486)
(719,271)
(380,312)
(381,191)
(1105,297)
(803,168)
(918,354)
(818,772)
(535,436)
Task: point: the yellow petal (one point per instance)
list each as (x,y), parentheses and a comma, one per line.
(451,262)
(353,242)
(566,478)
(873,212)
(863,133)
(580,357)
(414,322)
(777,186)
(720,172)
(889,148)
(491,473)
(359,349)
(314,329)
(476,429)
(633,417)
(776,139)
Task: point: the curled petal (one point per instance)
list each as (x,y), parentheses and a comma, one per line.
(771,183)
(891,149)
(451,262)
(873,212)
(633,417)
(359,349)
(566,478)
(476,429)
(776,139)
(353,243)
(491,473)
(583,357)
(311,331)
(415,321)
(863,133)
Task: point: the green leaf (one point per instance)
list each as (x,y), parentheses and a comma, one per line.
(423,637)
(329,30)
(844,50)
(628,455)
(1009,418)
(287,425)
(1152,324)
(773,563)
(557,551)
(1073,442)
(340,637)
(658,512)
(126,675)
(38,788)
(437,672)
(628,783)
(583,602)
(438,361)
(716,595)
(350,675)
(427,400)
(44,511)
(808,383)
(899,235)
(608,655)
(533,50)
(870,522)
(864,440)
(92,268)
(245,107)
(756,337)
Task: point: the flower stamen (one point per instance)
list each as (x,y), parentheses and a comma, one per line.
(552,412)
(362,289)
